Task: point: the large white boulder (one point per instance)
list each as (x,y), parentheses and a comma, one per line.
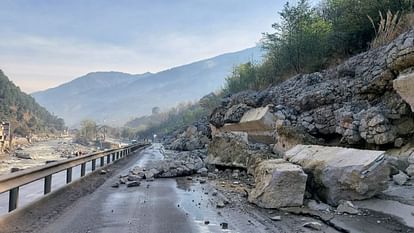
(232,150)
(341,173)
(404,85)
(258,123)
(278,184)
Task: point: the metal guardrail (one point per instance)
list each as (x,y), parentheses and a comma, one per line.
(12,182)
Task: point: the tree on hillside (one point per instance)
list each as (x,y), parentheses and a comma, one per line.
(299,43)
(88,130)
(308,39)
(243,77)
(349,19)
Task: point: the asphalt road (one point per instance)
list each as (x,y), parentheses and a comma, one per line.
(153,207)
(161,206)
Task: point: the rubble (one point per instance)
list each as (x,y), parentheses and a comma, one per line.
(351,104)
(314,205)
(278,184)
(404,85)
(220,204)
(313,225)
(23,155)
(195,137)
(341,173)
(233,150)
(347,207)
(400,179)
(410,170)
(276,218)
(203,171)
(224,225)
(133,184)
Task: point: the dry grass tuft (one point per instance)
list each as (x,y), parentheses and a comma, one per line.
(388,29)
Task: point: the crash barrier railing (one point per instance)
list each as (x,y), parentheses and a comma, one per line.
(12,182)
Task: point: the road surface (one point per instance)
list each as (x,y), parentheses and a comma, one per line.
(165,205)
(179,205)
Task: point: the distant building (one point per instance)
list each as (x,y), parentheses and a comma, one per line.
(4,134)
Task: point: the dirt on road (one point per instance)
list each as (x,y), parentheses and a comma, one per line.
(40,153)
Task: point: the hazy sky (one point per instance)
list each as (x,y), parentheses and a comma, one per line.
(47,42)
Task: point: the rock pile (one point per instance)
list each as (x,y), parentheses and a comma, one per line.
(233,150)
(174,165)
(195,137)
(353,103)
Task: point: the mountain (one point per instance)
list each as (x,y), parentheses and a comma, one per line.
(21,110)
(116,97)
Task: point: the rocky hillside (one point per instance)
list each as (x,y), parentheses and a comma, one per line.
(305,141)
(25,115)
(353,104)
(101,96)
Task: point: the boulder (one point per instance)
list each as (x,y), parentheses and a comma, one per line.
(258,123)
(228,149)
(235,113)
(410,170)
(232,150)
(347,207)
(23,155)
(341,173)
(404,85)
(278,184)
(400,179)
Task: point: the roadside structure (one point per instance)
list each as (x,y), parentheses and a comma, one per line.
(4,135)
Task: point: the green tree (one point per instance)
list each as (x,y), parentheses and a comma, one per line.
(349,18)
(300,40)
(88,130)
(243,77)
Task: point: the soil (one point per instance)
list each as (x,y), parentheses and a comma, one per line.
(41,152)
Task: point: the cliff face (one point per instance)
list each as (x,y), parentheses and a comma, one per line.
(352,104)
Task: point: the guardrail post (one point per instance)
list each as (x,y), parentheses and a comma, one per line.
(93,164)
(68,175)
(83,169)
(102,161)
(108,159)
(48,184)
(13,198)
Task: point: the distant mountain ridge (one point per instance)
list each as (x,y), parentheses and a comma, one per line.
(116,97)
